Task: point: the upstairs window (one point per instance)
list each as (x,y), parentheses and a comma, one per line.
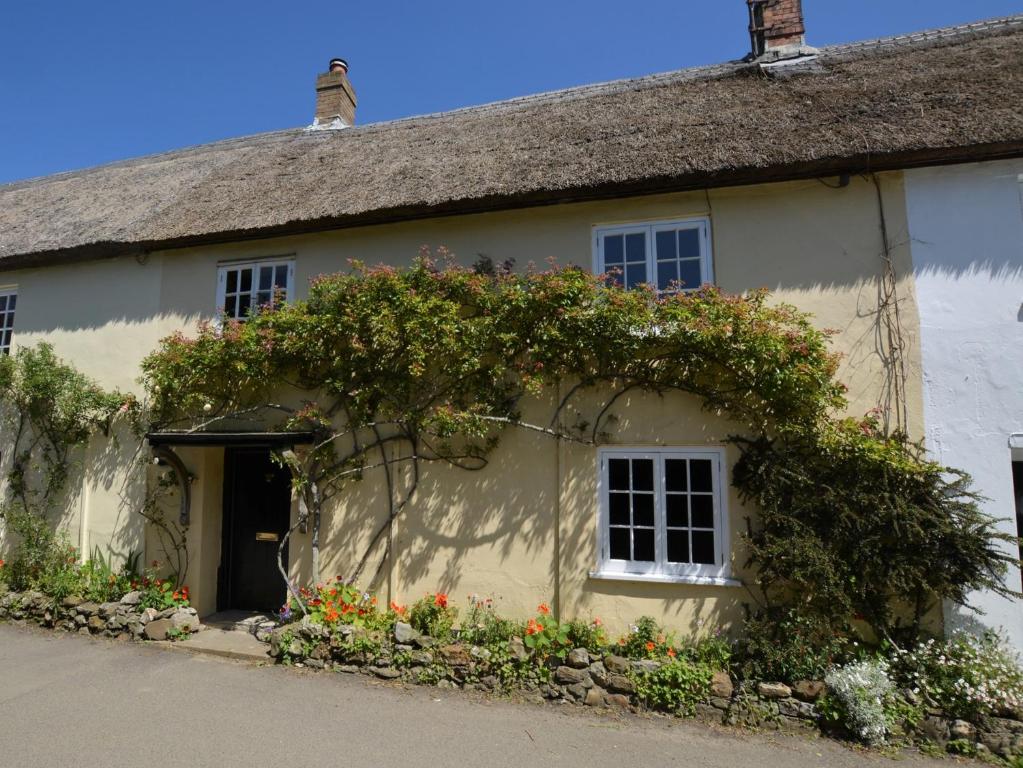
(8,302)
(662,512)
(667,255)
(243,288)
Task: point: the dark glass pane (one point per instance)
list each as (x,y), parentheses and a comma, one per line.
(676,510)
(689,274)
(667,274)
(614,250)
(643,509)
(619,540)
(232,281)
(281,278)
(243,304)
(230,304)
(618,509)
(703,547)
(666,246)
(703,511)
(678,546)
(6,339)
(643,545)
(635,247)
(10,319)
(642,474)
(700,475)
(266,278)
(618,474)
(246,276)
(675,474)
(688,243)
(634,275)
(12,302)
(3,303)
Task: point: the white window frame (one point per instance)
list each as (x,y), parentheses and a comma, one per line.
(650,229)
(224,267)
(661,570)
(8,291)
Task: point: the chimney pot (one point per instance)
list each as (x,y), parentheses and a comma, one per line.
(335,97)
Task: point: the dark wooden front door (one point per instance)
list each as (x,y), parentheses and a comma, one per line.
(257,513)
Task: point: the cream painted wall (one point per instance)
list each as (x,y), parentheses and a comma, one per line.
(523,529)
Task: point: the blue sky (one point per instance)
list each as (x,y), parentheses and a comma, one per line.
(87,83)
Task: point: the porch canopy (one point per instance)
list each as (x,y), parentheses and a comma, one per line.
(229,439)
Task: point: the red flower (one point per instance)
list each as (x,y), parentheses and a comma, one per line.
(650,646)
(671,652)
(544,609)
(440,600)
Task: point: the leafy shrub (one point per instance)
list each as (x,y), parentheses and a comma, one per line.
(587,634)
(645,640)
(787,645)
(854,523)
(546,635)
(859,696)
(159,593)
(432,616)
(965,675)
(677,686)
(482,626)
(714,650)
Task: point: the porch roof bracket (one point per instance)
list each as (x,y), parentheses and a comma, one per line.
(166,455)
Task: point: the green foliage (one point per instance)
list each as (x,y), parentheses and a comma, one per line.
(431,615)
(546,636)
(677,686)
(855,524)
(159,593)
(587,634)
(645,640)
(965,676)
(483,626)
(51,408)
(787,645)
(714,650)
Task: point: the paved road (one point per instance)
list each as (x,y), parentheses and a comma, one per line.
(73,701)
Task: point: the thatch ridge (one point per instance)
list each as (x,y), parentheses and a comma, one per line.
(941,96)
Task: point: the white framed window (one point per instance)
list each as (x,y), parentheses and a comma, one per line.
(662,514)
(8,303)
(668,255)
(242,288)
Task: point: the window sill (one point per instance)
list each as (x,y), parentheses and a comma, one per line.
(660,578)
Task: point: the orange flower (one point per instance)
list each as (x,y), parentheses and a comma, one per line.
(331,615)
(533,627)
(671,652)
(440,600)
(621,641)
(650,646)
(544,609)
(398,609)
(597,622)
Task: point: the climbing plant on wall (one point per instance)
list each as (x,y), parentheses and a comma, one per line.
(48,411)
(397,367)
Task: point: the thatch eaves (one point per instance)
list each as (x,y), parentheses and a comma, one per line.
(939,97)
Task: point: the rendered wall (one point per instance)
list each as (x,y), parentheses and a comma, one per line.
(967,227)
(525,527)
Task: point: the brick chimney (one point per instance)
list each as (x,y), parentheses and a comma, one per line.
(335,97)
(776,29)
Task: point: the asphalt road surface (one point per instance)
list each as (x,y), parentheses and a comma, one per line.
(83,702)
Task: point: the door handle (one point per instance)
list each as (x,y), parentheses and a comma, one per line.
(267,536)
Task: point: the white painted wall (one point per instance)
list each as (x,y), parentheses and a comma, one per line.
(966,225)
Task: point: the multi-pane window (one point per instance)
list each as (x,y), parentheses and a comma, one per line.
(243,288)
(661,512)
(8,303)
(670,256)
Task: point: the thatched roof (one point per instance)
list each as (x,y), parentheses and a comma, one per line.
(943,96)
